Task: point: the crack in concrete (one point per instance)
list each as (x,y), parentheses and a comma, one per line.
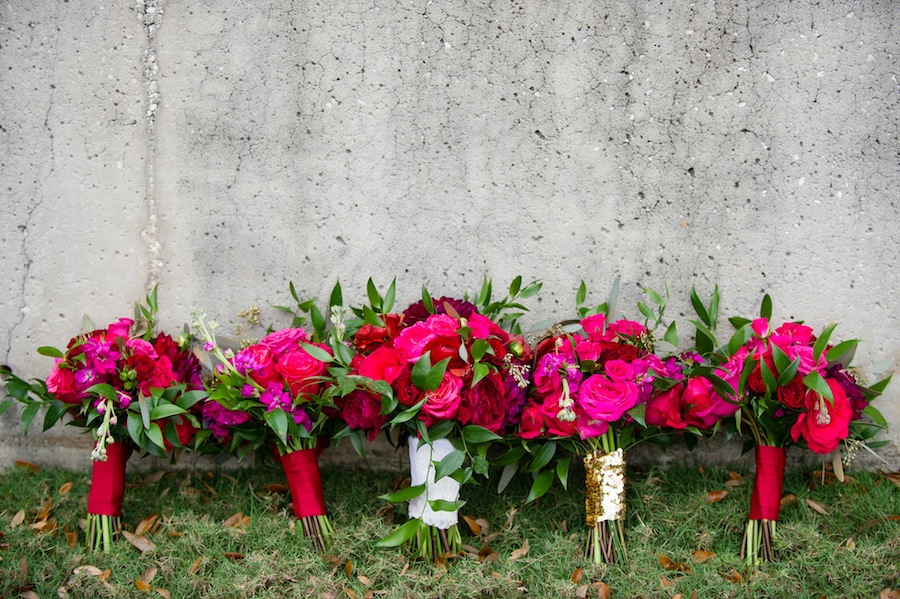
(150,13)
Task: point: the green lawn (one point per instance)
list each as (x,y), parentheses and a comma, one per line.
(854,551)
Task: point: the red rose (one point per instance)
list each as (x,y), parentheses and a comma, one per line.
(299,370)
(532,421)
(704,407)
(616,351)
(664,409)
(793,395)
(407,393)
(444,347)
(383,364)
(823,425)
(143,365)
(62,385)
(362,411)
(485,404)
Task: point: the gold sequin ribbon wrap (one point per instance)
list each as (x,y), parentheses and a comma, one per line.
(605,482)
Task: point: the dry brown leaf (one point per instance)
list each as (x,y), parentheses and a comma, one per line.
(148,574)
(701,555)
(364,580)
(195,566)
(17,519)
(233,520)
(603,590)
(140,542)
(351,594)
(666,562)
(894,517)
(509,517)
(45,512)
(581,591)
(715,496)
(105,575)
(23,567)
(491,557)
(145,525)
(174,534)
(695,595)
(141,585)
(153,478)
(665,582)
(850,544)
(520,552)
(732,475)
(89,570)
(484,524)
(65,488)
(28,465)
(234,556)
(701,470)
(166,594)
(577,575)
(817,506)
(72,538)
(677,596)
(473,525)
(348,568)
(734,577)
(888,593)
(789,499)
(29,594)
(894,477)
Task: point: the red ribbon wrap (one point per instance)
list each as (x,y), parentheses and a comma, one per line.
(766,499)
(108,481)
(302,471)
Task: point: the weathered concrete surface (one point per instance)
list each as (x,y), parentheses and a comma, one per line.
(224,148)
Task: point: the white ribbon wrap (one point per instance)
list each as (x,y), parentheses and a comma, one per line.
(421,471)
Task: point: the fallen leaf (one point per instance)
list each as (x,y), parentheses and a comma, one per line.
(351,594)
(789,499)
(141,585)
(894,477)
(850,544)
(23,567)
(485,526)
(473,525)
(275,488)
(153,478)
(581,591)
(45,513)
(491,557)
(577,575)
(148,574)
(166,594)
(29,594)
(732,475)
(28,465)
(233,520)
(72,538)
(195,566)
(520,552)
(879,520)
(233,556)
(603,590)
(665,582)
(89,570)
(364,580)
(715,496)
(509,517)
(701,555)
(104,576)
(65,488)
(17,519)
(817,506)
(701,470)
(666,562)
(888,593)
(145,525)
(348,568)
(140,542)
(734,577)
(695,595)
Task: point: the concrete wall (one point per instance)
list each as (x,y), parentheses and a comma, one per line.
(222,148)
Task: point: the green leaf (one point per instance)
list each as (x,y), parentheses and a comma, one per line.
(478,434)
(637,412)
(317,352)
(104,389)
(154,433)
(838,351)
(452,462)
(562,471)
(479,348)
(612,299)
(5,405)
(408,413)
(789,373)
(144,409)
(441,430)
(739,338)
(135,427)
(781,359)
(671,335)
(479,371)
(55,411)
(426,300)
(165,410)
(510,457)
(336,298)
(581,294)
(277,420)
(875,415)
(371,317)
(403,533)
(540,486)
(403,494)
(714,308)
(52,352)
(388,302)
(531,289)
(480,465)
(515,286)
(442,505)
(318,322)
(509,471)
(765,309)
(768,377)
(374,297)
(436,375)
(699,308)
(28,415)
(420,370)
(814,381)
(655,297)
(646,311)
(822,341)
(543,456)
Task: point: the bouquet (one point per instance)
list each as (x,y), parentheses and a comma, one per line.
(794,389)
(280,391)
(131,389)
(592,388)
(458,381)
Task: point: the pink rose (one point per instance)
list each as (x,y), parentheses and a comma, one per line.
(595,327)
(704,406)
(626,328)
(588,351)
(120,328)
(442,403)
(664,409)
(443,325)
(619,370)
(412,340)
(280,342)
(823,425)
(800,334)
(62,385)
(483,327)
(760,327)
(604,400)
(383,364)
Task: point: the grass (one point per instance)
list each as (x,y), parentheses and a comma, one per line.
(854,551)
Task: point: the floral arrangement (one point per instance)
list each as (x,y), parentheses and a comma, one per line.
(793,388)
(458,382)
(131,388)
